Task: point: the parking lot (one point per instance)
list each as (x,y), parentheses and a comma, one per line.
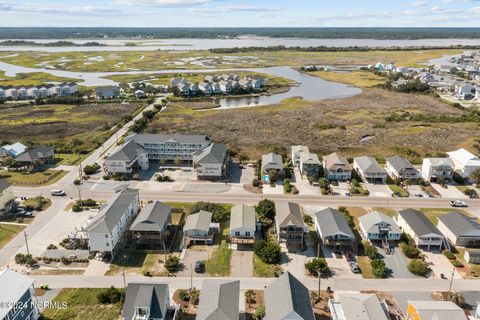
(378,190)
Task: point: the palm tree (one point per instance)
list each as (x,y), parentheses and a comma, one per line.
(250,296)
(162,161)
(458,299)
(178,161)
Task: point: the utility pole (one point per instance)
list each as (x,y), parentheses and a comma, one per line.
(26,242)
(79,194)
(191,277)
(80,170)
(319,284)
(449,297)
(124,282)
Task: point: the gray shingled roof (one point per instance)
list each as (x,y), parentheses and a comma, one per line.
(109,216)
(399,163)
(198,221)
(309,157)
(127,152)
(242,216)
(174,138)
(286,295)
(332,222)
(14,285)
(152,217)
(459,225)
(418,222)
(214,153)
(272,158)
(288,213)
(37,153)
(371,219)
(219,300)
(334,161)
(145,295)
(4,184)
(361,306)
(368,165)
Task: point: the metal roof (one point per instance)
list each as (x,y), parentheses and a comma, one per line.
(214,153)
(219,300)
(459,224)
(332,222)
(152,217)
(127,152)
(361,306)
(242,216)
(438,310)
(418,222)
(146,295)
(370,220)
(288,213)
(198,221)
(368,165)
(399,163)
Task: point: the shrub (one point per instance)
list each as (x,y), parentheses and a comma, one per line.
(20,258)
(378,268)
(410,251)
(77,208)
(315,264)
(194,296)
(171,264)
(265,210)
(255,183)
(91,169)
(184,294)
(51,246)
(449,255)
(260,312)
(457,264)
(220,214)
(110,296)
(369,249)
(87,203)
(308,219)
(250,296)
(268,251)
(418,267)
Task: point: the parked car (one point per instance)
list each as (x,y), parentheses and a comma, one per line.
(349,255)
(457,203)
(58,193)
(419,195)
(334,183)
(354,267)
(199,267)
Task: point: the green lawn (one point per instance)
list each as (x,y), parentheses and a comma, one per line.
(36,179)
(398,189)
(264,270)
(474,268)
(69,159)
(8,232)
(82,304)
(433,213)
(43,202)
(363,263)
(219,262)
(356,78)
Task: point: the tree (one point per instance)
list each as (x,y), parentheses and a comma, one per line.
(268,251)
(458,299)
(273,175)
(316,264)
(184,294)
(171,264)
(475,176)
(194,296)
(260,312)
(265,210)
(178,161)
(250,296)
(162,161)
(219,213)
(418,267)
(110,296)
(378,268)
(369,249)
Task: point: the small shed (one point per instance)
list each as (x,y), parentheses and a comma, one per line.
(472,256)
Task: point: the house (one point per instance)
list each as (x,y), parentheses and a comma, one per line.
(216,88)
(459,229)
(12,150)
(126,158)
(107,92)
(146,301)
(108,230)
(378,226)
(400,168)
(37,155)
(211,162)
(333,229)
(205,88)
(465,92)
(296,152)
(425,77)
(10,92)
(211,78)
(176,81)
(310,164)
(286,298)
(226,86)
(200,228)
(403,70)
(355,306)
(183,88)
(424,233)
(7,197)
(369,169)
(465,163)
(67,88)
(336,167)
(194,89)
(140,94)
(17,297)
(380,66)
(272,161)
(289,225)
(245,84)
(242,224)
(434,310)
(438,169)
(219,299)
(472,256)
(150,229)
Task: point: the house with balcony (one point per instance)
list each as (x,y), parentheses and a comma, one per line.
(145,301)
(400,168)
(126,158)
(108,230)
(438,169)
(199,227)
(17,296)
(423,232)
(242,224)
(336,167)
(378,226)
(369,169)
(107,92)
(354,306)
(465,163)
(211,162)
(309,165)
(296,152)
(289,226)
(219,300)
(7,198)
(151,228)
(333,230)
(459,229)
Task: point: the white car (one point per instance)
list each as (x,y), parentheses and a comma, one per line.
(457,203)
(58,193)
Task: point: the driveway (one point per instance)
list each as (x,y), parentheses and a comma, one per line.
(302,184)
(189,260)
(241,263)
(416,189)
(378,190)
(396,262)
(267,189)
(440,264)
(338,265)
(449,192)
(342,189)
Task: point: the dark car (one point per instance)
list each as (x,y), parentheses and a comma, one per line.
(199,267)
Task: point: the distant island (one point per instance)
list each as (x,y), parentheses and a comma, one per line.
(16,43)
(214,33)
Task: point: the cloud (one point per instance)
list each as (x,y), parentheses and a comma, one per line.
(28,7)
(164,3)
(232,9)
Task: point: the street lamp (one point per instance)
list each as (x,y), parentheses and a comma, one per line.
(319,283)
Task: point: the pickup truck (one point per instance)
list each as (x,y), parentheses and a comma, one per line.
(457,203)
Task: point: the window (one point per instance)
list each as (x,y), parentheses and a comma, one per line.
(247,233)
(108,244)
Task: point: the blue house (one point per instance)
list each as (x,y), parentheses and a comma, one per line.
(17,297)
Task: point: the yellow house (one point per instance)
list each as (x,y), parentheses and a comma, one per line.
(6,194)
(438,310)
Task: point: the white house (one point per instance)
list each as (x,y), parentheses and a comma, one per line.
(242,224)
(401,168)
(296,152)
(126,157)
(199,227)
(272,161)
(205,88)
(378,226)
(465,163)
(465,92)
(6,195)
(108,229)
(211,162)
(356,306)
(226,86)
(437,169)
(369,169)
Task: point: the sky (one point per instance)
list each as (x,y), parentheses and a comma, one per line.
(240,13)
